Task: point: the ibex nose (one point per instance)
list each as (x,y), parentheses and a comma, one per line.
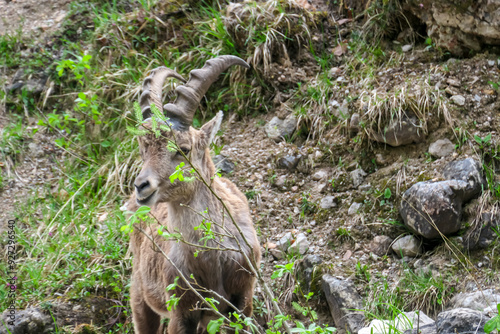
(146,186)
(140,185)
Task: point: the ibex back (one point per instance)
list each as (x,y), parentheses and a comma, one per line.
(178,205)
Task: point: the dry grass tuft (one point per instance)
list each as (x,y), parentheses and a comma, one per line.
(267,29)
(410,99)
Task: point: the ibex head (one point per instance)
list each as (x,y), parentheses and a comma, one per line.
(153,185)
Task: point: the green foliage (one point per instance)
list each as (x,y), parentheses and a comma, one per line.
(493,323)
(135,217)
(77,67)
(307,206)
(12,140)
(483,141)
(282,270)
(179,174)
(214,326)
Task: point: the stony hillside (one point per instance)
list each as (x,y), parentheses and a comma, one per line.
(364,137)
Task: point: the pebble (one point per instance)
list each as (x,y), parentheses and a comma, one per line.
(458,100)
(354,208)
(406,47)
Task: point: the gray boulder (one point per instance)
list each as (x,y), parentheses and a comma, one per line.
(430,205)
(461,320)
(460,31)
(223,163)
(306,270)
(28,321)
(483,234)
(479,300)
(441,148)
(343,299)
(469,171)
(400,132)
(277,129)
(427,329)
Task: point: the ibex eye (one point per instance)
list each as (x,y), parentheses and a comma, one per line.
(184,150)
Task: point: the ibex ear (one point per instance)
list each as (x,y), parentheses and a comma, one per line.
(211,128)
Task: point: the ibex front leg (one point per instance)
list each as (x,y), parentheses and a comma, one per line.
(184,322)
(146,321)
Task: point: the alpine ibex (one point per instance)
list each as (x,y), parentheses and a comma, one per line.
(178,206)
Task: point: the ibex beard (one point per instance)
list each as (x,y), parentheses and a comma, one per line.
(221,272)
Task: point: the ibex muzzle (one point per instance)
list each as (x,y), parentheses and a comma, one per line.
(177,205)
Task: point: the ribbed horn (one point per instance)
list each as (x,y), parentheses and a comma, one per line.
(152,87)
(181,112)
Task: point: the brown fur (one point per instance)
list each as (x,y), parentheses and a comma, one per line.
(224,272)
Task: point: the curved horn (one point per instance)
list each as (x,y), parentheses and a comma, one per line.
(152,87)
(181,112)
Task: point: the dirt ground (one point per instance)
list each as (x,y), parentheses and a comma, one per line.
(32,17)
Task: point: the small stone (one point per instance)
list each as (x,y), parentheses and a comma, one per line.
(358,176)
(379,159)
(458,100)
(441,148)
(407,246)
(289,162)
(278,129)
(36,150)
(280,181)
(347,255)
(334,72)
(277,254)
(354,208)
(354,123)
(491,63)
(320,175)
(406,48)
(320,188)
(270,245)
(344,110)
(453,82)
(285,241)
(328,202)
(294,188)
(380,245)
(300,245)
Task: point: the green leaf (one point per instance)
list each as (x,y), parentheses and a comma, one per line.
(487,139)
(138,112)
(490,325)
(156,112)
(214,326)
(143,210)
(387,193)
